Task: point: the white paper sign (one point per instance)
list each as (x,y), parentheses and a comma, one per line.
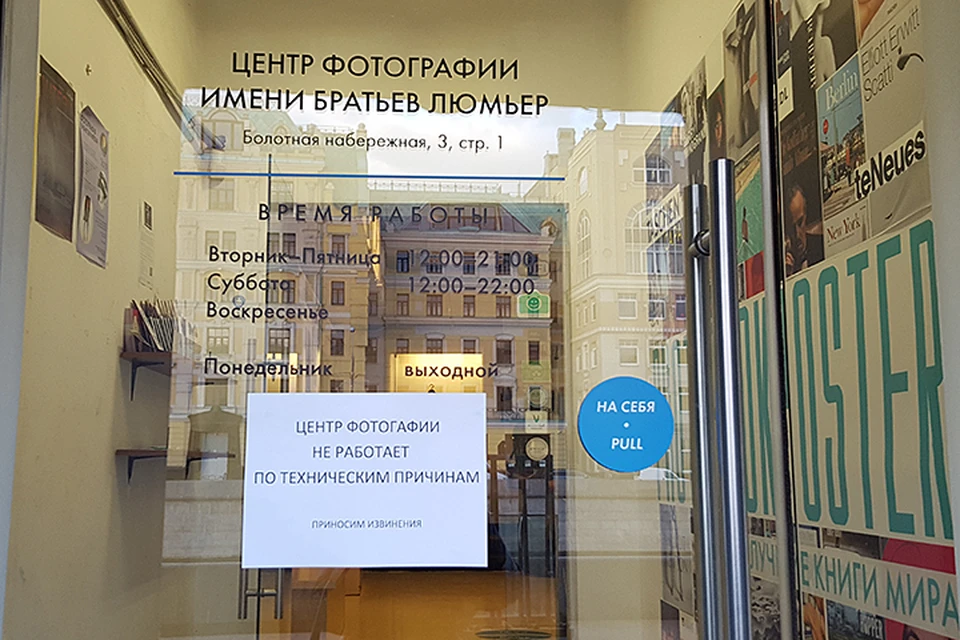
(365,480)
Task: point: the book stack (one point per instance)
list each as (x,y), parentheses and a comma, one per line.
(152,326)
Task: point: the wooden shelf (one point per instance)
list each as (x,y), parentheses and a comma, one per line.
(159,361)
(133,455)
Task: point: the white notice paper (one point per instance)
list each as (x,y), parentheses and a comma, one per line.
(365,480)
(94,189)
(146,245)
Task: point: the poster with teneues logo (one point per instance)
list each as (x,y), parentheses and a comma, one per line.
(895,176)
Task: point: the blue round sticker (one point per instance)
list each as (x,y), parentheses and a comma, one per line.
(625,424)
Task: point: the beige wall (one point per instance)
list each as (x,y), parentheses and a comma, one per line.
(624,54)
(570,51)
(664,41)
(85,545)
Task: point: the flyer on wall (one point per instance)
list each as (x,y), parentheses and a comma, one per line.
(56,119)
(94,189)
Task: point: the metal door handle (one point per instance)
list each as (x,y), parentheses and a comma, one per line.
(723,592)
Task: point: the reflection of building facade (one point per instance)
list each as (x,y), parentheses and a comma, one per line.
(440,288)
(625,269)
(222,213)
(456,287)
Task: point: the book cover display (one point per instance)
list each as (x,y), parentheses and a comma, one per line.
(875,532)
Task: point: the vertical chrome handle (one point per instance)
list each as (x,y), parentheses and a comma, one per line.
(723,594)
(727,376)
(696,244)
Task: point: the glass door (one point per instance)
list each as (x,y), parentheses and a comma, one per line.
(862,324)
(496,212)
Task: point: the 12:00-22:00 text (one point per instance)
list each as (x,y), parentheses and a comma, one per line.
(491,286)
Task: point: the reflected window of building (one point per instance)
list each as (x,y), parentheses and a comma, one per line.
(503,264)
(285,292)
(533,352)
(229,241)
(215,392)
(627,306)
(635,241)
(403,261)
(629,353)
(504,306)
(640,170)
(338,293)
(682,353)
(434,305)
(584,180)
(533,265)
(373,305)
(593,356)
(336,386)
(403,304)
(273,243)
(504,398)
(290,244)
(658,354)
(469,306)
(680,306)
(403,345)
(372,352)
(469,345)
(278,343)
(223,132)
(583,244)
(469,263)
(433,263)
(370,387)
(504,354)
(281,191)
(288,295)
(221,194)
(336,342)
(658,170)
(188,193)
(338,244)
(434,345)
(218,340)
(683,399)
(656,308)
(211,239)
(209,293)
